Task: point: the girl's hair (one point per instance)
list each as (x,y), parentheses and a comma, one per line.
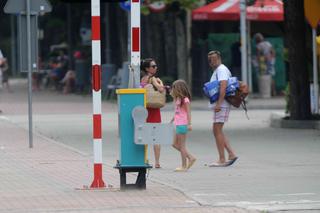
(145,63)
(180,90)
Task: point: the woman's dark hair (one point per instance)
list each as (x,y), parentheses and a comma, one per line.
(145,63)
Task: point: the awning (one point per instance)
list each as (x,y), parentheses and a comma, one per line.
(228,10)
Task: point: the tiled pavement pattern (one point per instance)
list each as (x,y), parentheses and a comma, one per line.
(54,178)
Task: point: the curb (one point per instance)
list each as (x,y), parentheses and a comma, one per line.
(277,121)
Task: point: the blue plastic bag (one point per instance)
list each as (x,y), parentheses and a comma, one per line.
(211,89)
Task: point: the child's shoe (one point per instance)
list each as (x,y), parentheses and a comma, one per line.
(180,169)
(191,162)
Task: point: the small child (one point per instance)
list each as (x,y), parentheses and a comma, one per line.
(182,120)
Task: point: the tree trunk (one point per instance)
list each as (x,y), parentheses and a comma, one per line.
(170,44)
(182,51)
(299,103)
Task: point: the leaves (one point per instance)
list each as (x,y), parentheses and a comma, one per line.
(181,4)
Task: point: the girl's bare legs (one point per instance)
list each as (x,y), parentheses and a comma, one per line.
(181,138)
(176,144)
(185,154)
(156,149)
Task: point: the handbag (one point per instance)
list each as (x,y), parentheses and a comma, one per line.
(239,96)
(155,99)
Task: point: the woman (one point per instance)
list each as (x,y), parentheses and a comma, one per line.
(148,70)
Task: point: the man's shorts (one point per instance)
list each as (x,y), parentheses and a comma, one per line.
(181,129)
(221,116)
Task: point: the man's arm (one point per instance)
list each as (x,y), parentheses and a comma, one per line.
(222,94)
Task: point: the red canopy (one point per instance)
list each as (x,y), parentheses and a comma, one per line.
(262,10)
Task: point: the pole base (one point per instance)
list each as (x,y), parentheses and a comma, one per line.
(97,180)
(98,183)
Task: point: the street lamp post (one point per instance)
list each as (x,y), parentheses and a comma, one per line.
(243,41)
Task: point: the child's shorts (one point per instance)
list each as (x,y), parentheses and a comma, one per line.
(181,129)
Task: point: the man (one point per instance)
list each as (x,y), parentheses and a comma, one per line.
(265,59)
(221,110)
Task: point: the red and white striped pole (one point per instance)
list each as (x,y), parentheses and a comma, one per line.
(96,94)
(135,40)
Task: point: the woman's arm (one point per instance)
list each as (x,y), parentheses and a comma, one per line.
(145,79)
(158,84)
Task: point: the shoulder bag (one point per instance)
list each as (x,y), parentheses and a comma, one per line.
(155,98)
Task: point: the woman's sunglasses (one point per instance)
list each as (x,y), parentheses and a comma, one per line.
(153,66)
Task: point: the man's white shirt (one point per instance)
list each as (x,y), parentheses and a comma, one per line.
(221,73)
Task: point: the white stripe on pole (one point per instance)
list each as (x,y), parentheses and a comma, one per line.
(96,97)
(97,147)
(96,52)
(95,7)
(135,13)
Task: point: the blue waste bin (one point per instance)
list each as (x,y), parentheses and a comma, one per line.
(133,157)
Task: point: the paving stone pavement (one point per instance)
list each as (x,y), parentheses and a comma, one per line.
(52,177)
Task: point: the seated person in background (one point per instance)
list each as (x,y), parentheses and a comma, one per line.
(56,74)
(68,81)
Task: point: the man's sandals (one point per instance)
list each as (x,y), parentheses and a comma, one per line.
(228,163)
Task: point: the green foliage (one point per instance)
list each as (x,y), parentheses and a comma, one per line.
(183,4)
(145,10)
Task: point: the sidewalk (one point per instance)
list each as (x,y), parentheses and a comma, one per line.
(53,177)
(276,171)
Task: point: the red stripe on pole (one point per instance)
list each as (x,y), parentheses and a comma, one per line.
(135,0)
(96,126)
(96,77)
(135,39)
(95,27)
(97,181)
